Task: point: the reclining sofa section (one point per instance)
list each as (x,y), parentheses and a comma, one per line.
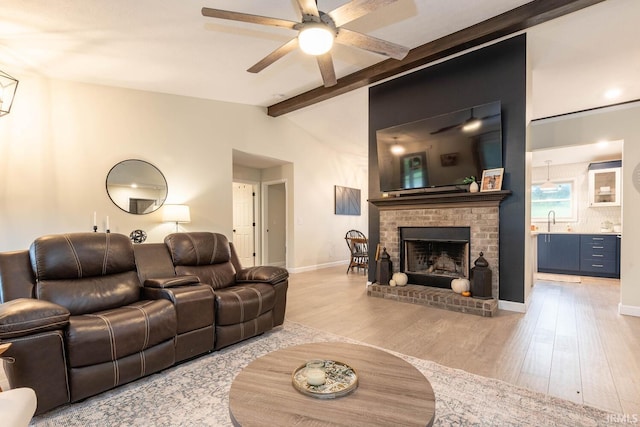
(87,312)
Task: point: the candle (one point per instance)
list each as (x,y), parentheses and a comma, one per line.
(95,219)
(315,373)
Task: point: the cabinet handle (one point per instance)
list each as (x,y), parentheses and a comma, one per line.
(597,238)
(598,247)
(597,255)
(597,265)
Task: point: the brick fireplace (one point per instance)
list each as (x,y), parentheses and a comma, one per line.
(476,212)
(433,256)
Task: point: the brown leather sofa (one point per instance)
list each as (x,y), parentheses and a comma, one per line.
(87,312)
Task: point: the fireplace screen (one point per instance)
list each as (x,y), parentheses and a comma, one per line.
(437,258)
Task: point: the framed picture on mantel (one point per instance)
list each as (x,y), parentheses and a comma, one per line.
(491,179)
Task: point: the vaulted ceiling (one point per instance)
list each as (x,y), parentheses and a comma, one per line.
(168,46)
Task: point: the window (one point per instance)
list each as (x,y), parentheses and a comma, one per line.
(563,202)
(414,170)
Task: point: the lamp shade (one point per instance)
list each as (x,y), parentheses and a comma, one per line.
(176,213)
(8,86)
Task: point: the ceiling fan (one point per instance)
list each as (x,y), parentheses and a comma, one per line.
(317,32)
(471,124)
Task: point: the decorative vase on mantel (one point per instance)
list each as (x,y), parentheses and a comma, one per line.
(473,187)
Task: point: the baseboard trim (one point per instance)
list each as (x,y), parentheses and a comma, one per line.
(629,310)
(318,266)
(518,307)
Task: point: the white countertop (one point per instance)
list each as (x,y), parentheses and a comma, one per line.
(610,233)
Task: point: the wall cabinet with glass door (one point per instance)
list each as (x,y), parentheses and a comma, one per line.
(605,184)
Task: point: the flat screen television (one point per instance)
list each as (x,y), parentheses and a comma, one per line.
(438,153)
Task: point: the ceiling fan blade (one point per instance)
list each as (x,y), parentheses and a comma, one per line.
(308,7)
(245,17)
(355,9)
(372,44)
(445,129)
(325,62)
(274,56)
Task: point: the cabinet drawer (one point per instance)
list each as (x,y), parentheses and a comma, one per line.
(597,266)
(588,250)
(595,255)
(607,243)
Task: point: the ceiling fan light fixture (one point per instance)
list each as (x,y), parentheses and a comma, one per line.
(396,148)
(471,125)
(316,39)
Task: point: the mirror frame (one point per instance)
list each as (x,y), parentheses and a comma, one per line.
(155,202)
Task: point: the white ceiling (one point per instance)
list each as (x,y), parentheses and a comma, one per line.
(168,46)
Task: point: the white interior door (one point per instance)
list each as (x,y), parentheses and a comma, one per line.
(244,222)
(274,223)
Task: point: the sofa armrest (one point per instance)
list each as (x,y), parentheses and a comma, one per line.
(263,274)
(27,316)
(171,282)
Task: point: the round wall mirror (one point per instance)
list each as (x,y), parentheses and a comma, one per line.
(136,186)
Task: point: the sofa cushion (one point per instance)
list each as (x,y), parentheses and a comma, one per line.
(91,294)
(198,248)
(85,272)
(238,304)
(26,316)
(78,255)
(217,276)
(113,334)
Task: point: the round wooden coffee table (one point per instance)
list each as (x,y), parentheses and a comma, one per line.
(390,390)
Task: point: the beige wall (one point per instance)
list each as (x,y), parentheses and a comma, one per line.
(612,124)
(61,139)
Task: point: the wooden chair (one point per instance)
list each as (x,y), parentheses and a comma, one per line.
(359,250)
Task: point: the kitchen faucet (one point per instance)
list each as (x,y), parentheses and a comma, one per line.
(549,220)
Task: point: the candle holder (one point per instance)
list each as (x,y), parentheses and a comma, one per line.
(108,231)
(95,228)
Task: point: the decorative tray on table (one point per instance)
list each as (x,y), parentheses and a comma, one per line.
(340,380)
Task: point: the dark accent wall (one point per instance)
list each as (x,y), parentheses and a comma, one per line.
(494,73)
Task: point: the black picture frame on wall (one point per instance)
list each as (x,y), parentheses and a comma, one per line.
(347,201)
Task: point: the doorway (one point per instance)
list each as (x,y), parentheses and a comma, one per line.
(274,211)
(244,222)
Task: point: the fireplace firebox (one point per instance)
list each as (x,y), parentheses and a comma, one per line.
(433,256)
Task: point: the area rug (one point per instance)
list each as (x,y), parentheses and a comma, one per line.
(196,393)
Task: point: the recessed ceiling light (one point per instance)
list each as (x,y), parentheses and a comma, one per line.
(613,93)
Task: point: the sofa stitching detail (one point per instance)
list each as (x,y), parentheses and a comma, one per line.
(146,324)
(112,342)
(195,248)
(235,293)
(61,323)
(42,318)
(143,364)
(259,301)
(215,249)
(75,255)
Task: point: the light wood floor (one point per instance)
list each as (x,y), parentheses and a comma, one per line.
(571,343)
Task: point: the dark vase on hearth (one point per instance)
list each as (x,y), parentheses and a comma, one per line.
(384,268)
(481,278)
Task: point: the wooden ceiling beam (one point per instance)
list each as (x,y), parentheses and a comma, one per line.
(518,19)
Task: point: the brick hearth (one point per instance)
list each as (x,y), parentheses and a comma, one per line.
(482,221)
(435,297)
(478,211)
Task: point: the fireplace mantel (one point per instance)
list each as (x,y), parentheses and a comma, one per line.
(440,200)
